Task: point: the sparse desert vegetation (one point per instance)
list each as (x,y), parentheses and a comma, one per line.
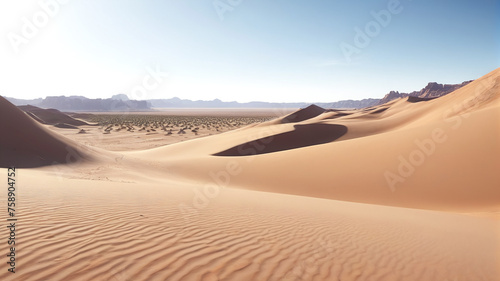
(234,140)
(171,124)
(128,131)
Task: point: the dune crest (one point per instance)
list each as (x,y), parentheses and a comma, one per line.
(399,191)
(408,154)
(26,144)
(50,116)
(303,114)
(301,136)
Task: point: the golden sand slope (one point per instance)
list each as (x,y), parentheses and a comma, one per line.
(438,154)
(76,230)
(181,212)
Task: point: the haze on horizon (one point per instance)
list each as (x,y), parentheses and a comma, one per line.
(276,51)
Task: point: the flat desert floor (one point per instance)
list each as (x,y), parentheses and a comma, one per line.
(408,190)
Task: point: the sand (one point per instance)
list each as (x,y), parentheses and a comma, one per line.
(402,191)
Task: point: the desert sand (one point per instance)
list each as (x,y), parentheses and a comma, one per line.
(408,190)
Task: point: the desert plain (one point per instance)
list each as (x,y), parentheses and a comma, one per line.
(407,190)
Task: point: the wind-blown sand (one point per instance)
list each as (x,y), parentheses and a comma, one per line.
(402,191)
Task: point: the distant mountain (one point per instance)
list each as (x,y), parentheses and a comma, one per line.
(84,104)
(120,102)
(350,103)
(79,103)
(432,90)
(122,97)
(23,101)
(183,103)
(392,95)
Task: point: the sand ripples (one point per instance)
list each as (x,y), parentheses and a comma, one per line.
(94,240)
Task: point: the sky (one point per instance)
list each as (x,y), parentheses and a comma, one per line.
(242,50)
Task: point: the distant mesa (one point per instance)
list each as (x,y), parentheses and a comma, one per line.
(392,95)
(121,97)
(121,102)
(24,101)
(303,114)
(85,104)
(435,90)
(216,103)
(302,136)
(79,103)
(26,144)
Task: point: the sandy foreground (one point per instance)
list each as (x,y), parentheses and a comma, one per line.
(402,191)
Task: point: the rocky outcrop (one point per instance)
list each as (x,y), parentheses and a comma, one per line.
(392,95)
(435,90)
(431,91)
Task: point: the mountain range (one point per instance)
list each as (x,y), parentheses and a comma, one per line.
(431,91)
(121,102)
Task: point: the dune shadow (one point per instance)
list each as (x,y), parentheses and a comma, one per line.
(413,99)
(380,110)
(338,115)
(301,136)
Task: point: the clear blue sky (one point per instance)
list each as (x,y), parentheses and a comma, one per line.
(268,50)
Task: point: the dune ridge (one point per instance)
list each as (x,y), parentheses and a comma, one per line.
(303,114)
(50,116)
(399,191)
(28,145)
(301,136)
(441,136)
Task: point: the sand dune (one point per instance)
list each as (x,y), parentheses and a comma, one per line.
(407,190)
(51,116)
(303,114)
(26,144)
(420,155)
(106,231)
(301,136)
